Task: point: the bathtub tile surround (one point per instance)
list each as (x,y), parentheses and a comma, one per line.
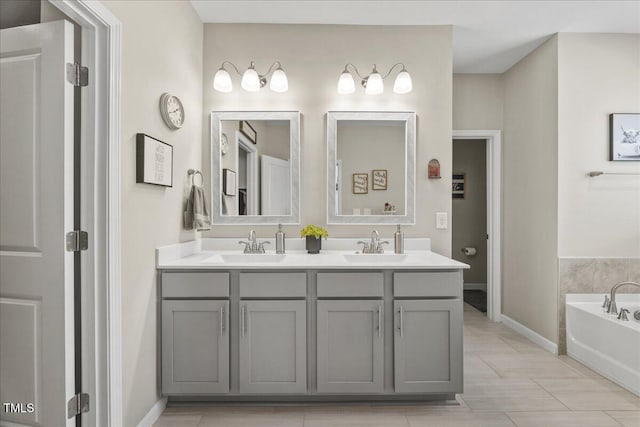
(488,400)
(591,275)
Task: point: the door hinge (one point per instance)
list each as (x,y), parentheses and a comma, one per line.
(77,240)
(77,75)
(77,405)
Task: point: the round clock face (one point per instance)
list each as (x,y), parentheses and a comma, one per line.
(172,111)
(224,144)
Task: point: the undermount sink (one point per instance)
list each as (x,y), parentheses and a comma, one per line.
(373,258)
(240,258)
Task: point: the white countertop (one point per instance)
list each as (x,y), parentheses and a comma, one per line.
(216,254)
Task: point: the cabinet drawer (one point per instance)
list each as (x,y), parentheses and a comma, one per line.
(350,285)
(436,284)
(273,285)
(195,285)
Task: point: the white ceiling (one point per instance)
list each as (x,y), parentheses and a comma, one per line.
(489,36)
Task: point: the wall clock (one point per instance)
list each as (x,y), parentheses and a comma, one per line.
(172,111)
(224,144)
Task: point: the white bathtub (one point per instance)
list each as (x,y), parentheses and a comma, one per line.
(602,342)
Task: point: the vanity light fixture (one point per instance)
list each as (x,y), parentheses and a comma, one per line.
(373,83)
(251,80)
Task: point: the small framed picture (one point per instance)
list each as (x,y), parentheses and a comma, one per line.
(458,186)
(154,161)
(228,182)
(247,130)
(379,179)
(360,183)
(624,137)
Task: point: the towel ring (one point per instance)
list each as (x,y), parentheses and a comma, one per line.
(192,173)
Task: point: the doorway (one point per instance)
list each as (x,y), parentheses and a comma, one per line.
(247,167)
(469,217)
(492,142)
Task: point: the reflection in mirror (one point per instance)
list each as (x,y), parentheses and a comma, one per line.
(375,149)
(371,167)
(260,151)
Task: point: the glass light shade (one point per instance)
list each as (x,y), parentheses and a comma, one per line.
(222,81)
(250,80)
(346,84)
(375,86)
(403,83)
(279,82)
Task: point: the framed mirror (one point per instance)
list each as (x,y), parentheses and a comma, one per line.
(255,163)
(371,167)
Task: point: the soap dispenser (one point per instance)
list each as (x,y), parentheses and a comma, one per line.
(280,240)
(398,241)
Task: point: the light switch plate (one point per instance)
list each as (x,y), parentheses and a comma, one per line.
(441,221)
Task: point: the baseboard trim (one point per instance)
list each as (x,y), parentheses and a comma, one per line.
(154,413)
(532,336)
(474,286)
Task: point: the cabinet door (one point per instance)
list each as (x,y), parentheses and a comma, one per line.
(428,346)
(350,346)
(273,347)
(195,346)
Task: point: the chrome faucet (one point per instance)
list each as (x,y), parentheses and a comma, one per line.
(612,308)
(374,246)
(623,314)
(252,246)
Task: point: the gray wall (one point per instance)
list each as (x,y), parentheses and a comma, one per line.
(598,74)
(15,13)
(478,101)
(469,218)
(162,52)
(530,191)
(313,57)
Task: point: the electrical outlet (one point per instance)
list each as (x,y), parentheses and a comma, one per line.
(441,221)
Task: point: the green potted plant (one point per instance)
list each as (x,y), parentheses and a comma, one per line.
(314,235)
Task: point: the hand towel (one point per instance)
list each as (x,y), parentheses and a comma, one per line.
(196,215)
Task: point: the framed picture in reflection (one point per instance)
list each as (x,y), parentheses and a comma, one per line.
(228,182)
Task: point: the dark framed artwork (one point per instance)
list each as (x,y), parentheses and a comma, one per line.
(379,179)
(458,184)
(154,161)
(360,183)
(247,130)
(624,137)
(228,182)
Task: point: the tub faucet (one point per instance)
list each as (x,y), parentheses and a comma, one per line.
(623,314)
(613,309)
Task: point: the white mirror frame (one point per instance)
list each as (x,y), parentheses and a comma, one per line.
(333,117)
(293,117)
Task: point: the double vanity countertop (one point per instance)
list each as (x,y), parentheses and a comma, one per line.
(223,254)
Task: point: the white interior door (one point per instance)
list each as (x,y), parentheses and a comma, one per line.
(275,186)
(36,209)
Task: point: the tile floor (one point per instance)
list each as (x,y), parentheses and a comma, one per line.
(509,381)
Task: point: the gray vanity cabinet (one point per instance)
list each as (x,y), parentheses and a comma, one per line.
(195,346)
(273,344)
(427,346)
(350,346)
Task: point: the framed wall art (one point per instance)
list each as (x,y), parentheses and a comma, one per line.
(154,161)
(624,137)
(458,185)
(379,179)
(247,130)
(228,182)
(360,183)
